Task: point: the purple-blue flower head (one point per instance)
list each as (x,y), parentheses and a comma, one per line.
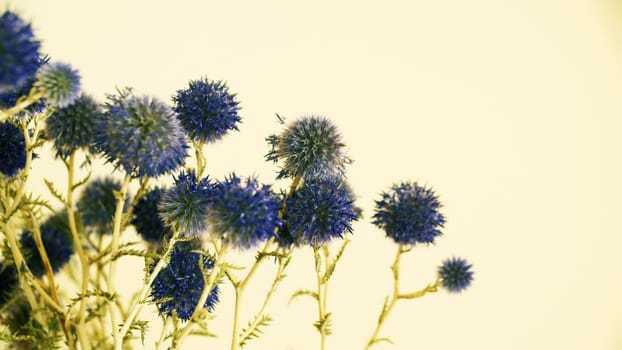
(243,212)
(141,135)
(8,282)
(12,149)
(19,52)
(184,207)
(10,97)
(60,83)
(409,214)
(455,274)
(207,110)
(146,219)
(310,146)
(97,204)
(178,286)
(73,127)
(319,211)
(57,241)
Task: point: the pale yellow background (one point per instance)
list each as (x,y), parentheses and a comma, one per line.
(509,109)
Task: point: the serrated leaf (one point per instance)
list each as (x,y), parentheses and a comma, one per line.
(82,181)
(380,340)
(302,292)
(254,329)
(135,252)
(54,191)
(333,264)
(323,325)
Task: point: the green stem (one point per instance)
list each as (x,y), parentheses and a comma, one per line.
(32,98)
(200,156)
(321,297)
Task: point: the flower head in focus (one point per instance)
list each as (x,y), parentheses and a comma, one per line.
(455,274)
(19,52)
(308,147)
(243,212)
(60,83)
(12,149)
(178,286)
(146,220)
(72,127)
(184,206)
(409,214)
(57,241)
(322,209)
(97,204)
(141,135)
(207,110)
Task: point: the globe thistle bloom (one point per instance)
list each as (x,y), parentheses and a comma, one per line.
(322,209)
(141,135)
(206,110)
(308,147)
(178,286)
(12,149)
(19,52)
(72,127)
(455,274)
(8,282)
(57,241)
(60,82)
(184,207)
(97,204)
(9,97)
(409,214)
(243,213)
(146,220)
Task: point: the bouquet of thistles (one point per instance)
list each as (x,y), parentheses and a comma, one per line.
(187,228)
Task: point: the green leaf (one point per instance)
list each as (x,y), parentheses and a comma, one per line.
(380,340)
(254,329)
(333,264)
(323,325)
(302,292)
(54,191)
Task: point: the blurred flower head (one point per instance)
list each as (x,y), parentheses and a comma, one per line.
(243,212)
(146,219)
(455,274)
(72,127)
(184,206)
(309,146)
(178,286)
(207,110)
(9,97)
(141,135)
(97,204)
(320,210)
(12,149)
(56,237)
(19,52)
(409,214)
(8,282)
(60,83)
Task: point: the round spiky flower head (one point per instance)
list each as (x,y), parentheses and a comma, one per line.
(60,82)
(206,110)
(97,204)
(243,212)
(57,241)
(10,97)
(409,214)
(141,135)
(322,209)
(12,149)
(308,147)
(455,274)
(8,282)
(178,287)
(184,206)
(19,52)
(72,127)
(146,220)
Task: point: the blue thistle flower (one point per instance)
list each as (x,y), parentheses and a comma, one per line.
(322,209)
(60,82)
(73,127)
(8,282)
(56,237)
(409,214)
(178,286)
(146,220)
(97,204)
(455,274)
(141,135)
(308,147)
(206,110)
(184,207)
(12,149)
(243,213)
(9,98)
(19,52)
